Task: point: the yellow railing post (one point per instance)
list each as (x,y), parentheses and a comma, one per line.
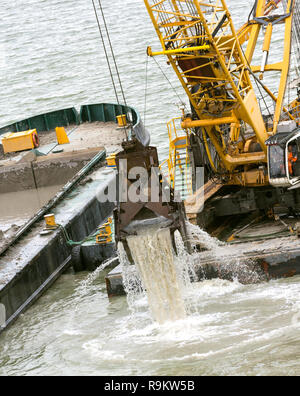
(177,151)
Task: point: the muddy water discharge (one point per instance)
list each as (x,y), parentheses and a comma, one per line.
(153,254)
(166,277)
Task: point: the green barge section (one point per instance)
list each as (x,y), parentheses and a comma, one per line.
(31,261)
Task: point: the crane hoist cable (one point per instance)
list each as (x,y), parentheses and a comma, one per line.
(257,82)
(106,53)
(146,90)
(107,57)
(112,51)
(168,80)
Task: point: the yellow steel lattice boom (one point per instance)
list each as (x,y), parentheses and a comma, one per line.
(201,44)
(215,78)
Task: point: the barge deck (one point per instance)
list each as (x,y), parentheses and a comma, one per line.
(32,261)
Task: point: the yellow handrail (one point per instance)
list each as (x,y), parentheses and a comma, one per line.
(178,156)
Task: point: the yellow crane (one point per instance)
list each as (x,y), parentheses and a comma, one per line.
(215,65)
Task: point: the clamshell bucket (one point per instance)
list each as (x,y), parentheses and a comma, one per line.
(145,198)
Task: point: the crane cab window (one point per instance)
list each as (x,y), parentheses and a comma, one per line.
(293,158)
(284,159)
(277,162)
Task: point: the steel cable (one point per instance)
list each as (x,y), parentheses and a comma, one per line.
(112,51)
(106,53)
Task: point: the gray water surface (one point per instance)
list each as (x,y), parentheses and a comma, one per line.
(50,58)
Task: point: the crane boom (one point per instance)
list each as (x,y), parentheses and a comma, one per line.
(215,77)
(261,18)
(201,43)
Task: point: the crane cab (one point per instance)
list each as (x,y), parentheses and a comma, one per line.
(284,157)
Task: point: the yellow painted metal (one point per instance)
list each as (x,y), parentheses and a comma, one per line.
(273,67)
(61,135)
(270,6)
(263,8)
(217,79)
(285,68)
(250,178)
(105,233)
(244,33)
(169,166)
(111,161)
(208,152)
(231,238)
(179,162)
(50,221)
(255,30)
(20,141)
(293,112)
(122,120)
(188,123)
(266,49)
(268,37)
(178,50)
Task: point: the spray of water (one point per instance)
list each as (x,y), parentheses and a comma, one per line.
(92,277)
(132,281)
(161,275)
(229,266)
(198,236)
(167,278)
(154,257)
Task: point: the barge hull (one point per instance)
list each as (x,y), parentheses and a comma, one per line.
(33,264)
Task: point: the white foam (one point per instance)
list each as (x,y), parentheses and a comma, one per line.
(153,255)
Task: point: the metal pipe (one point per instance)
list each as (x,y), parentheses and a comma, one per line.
(188,123)
(266,48)
(178,50)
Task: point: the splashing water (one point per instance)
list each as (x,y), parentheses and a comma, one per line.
(167,279)
(153,255)
(232,264)
(197,235)
(93,276)
(131,279)
(158,273)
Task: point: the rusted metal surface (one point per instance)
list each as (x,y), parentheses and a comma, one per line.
(166,207)
(195,204)
(281,266)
